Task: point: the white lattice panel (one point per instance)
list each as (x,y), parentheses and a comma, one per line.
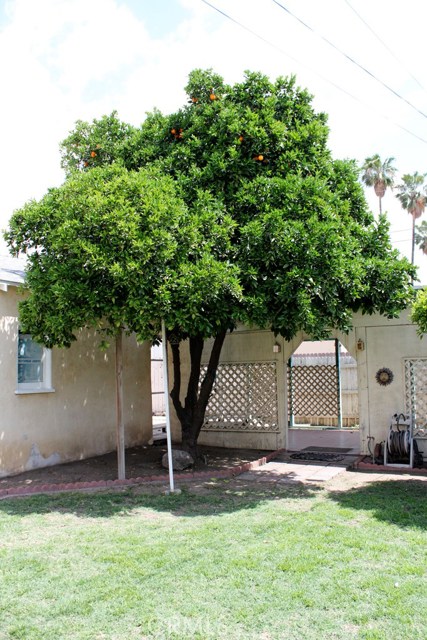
(244,398)
(416,389)
(314,390)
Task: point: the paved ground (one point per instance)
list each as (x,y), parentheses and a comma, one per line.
(285,471)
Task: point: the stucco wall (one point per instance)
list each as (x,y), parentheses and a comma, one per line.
(78,419)
(243,345)
(246,345)
(386,343)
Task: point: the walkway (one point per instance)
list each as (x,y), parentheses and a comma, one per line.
(284,470)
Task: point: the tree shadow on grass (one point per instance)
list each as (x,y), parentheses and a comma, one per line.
(205,499)
(400,502)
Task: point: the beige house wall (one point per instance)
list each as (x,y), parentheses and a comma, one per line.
(387,343)
(78,419)
(244,346)
(384,343)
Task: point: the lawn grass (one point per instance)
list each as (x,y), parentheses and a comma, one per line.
(234,562)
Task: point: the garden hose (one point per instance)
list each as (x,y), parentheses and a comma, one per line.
(398,441)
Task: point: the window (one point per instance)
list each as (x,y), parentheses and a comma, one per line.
(34,366)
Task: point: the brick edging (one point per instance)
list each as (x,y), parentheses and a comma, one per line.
(13,492)
(362,465)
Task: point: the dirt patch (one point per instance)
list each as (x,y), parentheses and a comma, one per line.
(145,463)
(141,462)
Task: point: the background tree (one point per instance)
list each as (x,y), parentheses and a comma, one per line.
(412,196)
(419,311)
(421,236)
(270,230)
(378,174)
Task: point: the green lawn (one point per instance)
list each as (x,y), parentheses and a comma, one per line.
(235,562)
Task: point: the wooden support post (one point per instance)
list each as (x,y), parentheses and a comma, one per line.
(168,421)
(291,394)
(120,429)
(339,395)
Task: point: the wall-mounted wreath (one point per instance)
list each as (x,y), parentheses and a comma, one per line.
(384,376)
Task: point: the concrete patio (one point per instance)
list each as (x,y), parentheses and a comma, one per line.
(284,469)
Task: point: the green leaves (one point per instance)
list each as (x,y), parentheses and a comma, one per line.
(120,247)
(230,209)
(375,171)
(98,144)
(412,193)
(419,311)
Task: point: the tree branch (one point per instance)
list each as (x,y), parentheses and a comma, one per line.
(176,389)
(196,350)
(209,379)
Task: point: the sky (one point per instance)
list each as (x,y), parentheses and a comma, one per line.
(68,60)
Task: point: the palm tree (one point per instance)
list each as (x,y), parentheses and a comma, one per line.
(421,236)
(378,174)
(412,196)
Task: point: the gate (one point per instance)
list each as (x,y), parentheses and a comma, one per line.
(316,396)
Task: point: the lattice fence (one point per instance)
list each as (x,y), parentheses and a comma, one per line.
(244,398)
(313,396)
(416,389)
(314,390)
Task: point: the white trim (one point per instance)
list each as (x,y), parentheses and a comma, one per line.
(44,386)
(24,392)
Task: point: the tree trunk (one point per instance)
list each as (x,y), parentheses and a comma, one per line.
(380,188)
(413,242)
(191,414)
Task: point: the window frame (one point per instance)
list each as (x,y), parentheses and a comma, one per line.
(42,386)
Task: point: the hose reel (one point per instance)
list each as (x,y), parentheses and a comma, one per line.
(399,439)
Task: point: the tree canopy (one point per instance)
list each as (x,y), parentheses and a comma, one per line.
(302,231)
(112,248)
(229,210)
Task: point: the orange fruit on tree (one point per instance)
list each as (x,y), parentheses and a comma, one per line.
(173,131)
(93,154)
(212,96)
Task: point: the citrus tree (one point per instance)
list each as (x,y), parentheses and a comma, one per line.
(263,227)
(115,249)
